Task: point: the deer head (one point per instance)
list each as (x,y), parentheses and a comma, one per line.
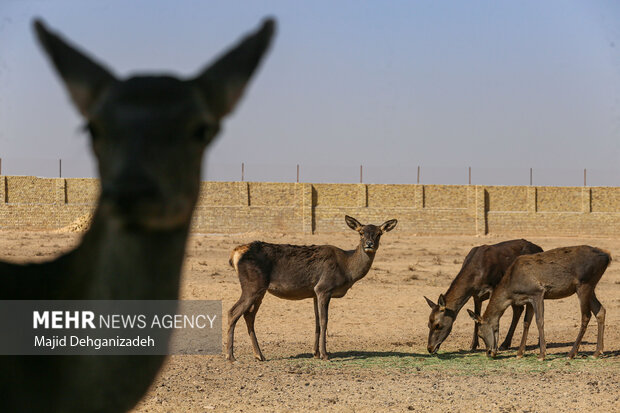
(370,234)
(149,133)
(488,332)
(439,323)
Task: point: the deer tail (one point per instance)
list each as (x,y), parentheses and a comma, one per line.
(236,254)
(608,254)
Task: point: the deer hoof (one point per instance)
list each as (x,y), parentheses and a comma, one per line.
(259,357)
(504,347)
(317,355)
(519,356)
(325,357)
(473,347)
(231,358)
(597,354)
(570,356)
(541,358)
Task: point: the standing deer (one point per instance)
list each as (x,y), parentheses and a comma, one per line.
(149,134)
(553,274)
(297,272)
(482,270)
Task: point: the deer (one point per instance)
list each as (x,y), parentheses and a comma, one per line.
(482,270)
(148,134)
(552,275)
(298,272)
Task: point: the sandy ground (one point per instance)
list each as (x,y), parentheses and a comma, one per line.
(377,338)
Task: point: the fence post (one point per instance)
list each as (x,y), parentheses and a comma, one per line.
(242,171)
(418,181)
(60,168)
(307,209)
(584,177)
(531,177)
(361,174)
(3,190)
(532,199)
(418,200)
(297,173)
(362,196)
(586,200)
(469,175)
(481,209)
(61,192)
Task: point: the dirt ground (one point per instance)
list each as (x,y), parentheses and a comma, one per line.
(377,338)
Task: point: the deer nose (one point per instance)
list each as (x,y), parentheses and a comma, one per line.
(369,244)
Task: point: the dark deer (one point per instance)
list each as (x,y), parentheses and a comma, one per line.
(552,275)
(297,272)
(482,270)
(149,134)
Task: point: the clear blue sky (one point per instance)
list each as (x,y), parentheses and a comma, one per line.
(499,86)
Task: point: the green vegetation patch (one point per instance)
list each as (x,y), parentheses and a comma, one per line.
(464,363)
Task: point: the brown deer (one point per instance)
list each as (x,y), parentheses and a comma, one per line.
(552,275)
(482,270)
(297,272)
(149,134)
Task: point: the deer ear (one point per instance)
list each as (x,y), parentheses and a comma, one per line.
(389,225)
(84,78)
(353,223)
(441,301)
(474,316)
(431,304)
(223,82)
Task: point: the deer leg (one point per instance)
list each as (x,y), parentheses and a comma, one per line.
(585,294)
(317,329)
(517,310)
(253,287)
(233,316)
(599,312)
(323,301)
(527,320)
(539,310)
(477,309)
(249,317)
(236,311)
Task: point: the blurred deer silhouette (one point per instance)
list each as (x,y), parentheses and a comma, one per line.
(149,134)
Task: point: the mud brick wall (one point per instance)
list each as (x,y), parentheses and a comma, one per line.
(233,207)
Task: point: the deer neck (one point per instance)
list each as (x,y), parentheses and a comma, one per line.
(359,263)
(118,262)
(498,303)
(457,296)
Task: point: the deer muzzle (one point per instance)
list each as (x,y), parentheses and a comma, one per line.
(369,246)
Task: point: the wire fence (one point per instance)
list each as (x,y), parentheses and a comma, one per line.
(412,174)
(317,173)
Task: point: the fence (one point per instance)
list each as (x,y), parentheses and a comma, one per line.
(233,207)
(370,174)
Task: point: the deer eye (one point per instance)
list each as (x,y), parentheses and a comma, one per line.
(201,132)
(91,129)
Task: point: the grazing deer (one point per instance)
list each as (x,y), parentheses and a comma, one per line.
(296,272)
(149,134)
(553,274)
(482,270)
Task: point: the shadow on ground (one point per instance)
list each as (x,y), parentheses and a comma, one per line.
(362,355)
(454,355)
